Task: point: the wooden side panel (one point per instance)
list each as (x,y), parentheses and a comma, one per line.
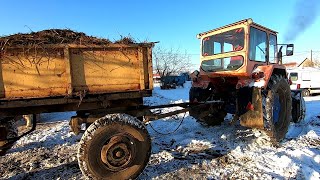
(33,73)
(106,70)
(74,70)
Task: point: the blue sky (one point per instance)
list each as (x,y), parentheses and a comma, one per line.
(173,23)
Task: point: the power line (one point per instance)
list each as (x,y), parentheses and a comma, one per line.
(179,54)
(198,54)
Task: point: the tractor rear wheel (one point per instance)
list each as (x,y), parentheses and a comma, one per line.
(116,146)
(213,115)
(277,107)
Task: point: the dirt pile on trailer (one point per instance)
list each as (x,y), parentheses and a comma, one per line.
(56,36)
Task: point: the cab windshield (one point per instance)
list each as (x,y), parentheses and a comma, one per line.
(228,41)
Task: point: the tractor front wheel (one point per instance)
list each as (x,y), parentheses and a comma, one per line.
(298,107)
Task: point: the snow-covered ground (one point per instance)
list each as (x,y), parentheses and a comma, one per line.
(193,151)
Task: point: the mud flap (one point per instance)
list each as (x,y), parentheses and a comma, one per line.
(254,118)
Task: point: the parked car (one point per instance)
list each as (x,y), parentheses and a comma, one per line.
(171,82)
(186,76)
(307,79)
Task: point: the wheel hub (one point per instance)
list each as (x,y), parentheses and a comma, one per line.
(276,108)
(117,153)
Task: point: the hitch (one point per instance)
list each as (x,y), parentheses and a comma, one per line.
(185,108)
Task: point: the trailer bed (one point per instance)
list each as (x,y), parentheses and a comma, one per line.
(64,77)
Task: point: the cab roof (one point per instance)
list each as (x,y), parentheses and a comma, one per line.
(248,21)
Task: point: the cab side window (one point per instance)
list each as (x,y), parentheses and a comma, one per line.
(272,48)
(258,45)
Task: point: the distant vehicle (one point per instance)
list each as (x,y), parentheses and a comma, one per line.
(307,79)
(186,76)
(171,82)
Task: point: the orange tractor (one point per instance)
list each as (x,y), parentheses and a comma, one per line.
(242,67)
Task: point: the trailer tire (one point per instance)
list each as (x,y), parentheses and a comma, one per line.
(116,146)
(277,105)
(8,129)
(216,115)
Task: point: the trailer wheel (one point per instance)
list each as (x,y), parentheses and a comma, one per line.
(213,115)
(116,146)
(277,107)
(8,129)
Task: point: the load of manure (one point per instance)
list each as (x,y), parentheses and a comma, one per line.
(56,36)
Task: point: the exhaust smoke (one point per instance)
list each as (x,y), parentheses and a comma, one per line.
(304,15)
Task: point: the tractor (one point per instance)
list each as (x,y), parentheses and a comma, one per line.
(241,66)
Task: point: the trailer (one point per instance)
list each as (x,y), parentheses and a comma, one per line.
(103,82)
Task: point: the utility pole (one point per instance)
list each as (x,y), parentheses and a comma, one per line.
(311,56)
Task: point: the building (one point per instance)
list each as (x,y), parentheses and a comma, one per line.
(290,65)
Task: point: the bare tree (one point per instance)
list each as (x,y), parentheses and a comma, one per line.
(316,63)
(170,61)
(313,63)
(308,63)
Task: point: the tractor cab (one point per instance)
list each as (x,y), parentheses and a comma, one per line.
(237,49)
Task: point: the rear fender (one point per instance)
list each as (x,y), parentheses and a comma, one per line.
(201,81)
(261,75)
(265,73)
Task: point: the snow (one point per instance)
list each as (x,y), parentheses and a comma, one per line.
(260,83)
(189,150)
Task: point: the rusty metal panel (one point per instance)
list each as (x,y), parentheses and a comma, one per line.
(32,73)
(106,70)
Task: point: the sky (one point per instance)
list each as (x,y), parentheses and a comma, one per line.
(175,23)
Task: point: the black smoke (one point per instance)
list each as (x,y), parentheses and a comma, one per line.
(304,15)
